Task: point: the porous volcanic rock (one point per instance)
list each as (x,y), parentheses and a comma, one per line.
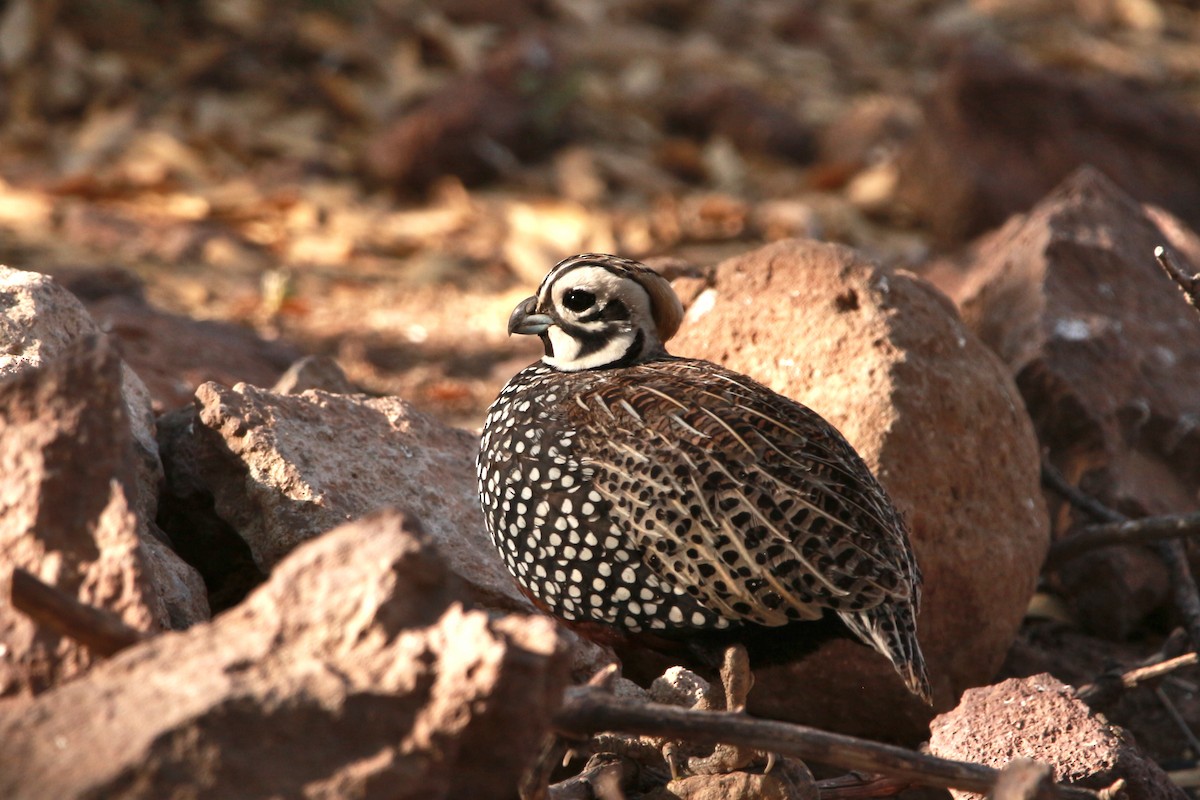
(999,134)
(68,511)
(281,469)
(1040,718)
(354,672)
(884,357)
(1107,356)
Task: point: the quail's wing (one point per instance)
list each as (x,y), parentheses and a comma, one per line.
(751,497)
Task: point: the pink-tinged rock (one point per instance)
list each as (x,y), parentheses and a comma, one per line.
(282,469)
(354,672)
(68,513)
(1107,356)
(884,357)
(1040,718)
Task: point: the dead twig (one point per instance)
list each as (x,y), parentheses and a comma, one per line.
(1183,583)
(1152,671)
(1107,688)
(1024,779)
(100,631)
(1146,530)
(861,786)
(1190,284)
(588,710)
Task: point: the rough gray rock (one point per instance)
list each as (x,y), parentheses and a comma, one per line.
(884,357)
(68,512)
(282,469)
(1107,357)
(39,321)
(354,672)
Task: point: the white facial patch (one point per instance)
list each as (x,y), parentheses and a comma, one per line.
(617,336)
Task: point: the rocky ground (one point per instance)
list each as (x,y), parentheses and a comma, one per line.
(260,255)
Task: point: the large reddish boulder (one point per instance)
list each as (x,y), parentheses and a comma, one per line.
(884,357)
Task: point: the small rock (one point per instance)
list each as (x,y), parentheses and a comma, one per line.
(281,469)
(998,135)
(1040,718)
(1107,357)
(884,357)
(70,514)
(737,786)
(681,687)
(354,672)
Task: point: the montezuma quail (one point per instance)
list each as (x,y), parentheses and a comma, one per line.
(634,494)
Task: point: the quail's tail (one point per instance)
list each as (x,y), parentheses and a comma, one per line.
(891,629)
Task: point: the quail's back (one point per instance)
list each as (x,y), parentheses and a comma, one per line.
(631,491)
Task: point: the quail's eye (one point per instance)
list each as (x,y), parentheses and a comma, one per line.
(579,299)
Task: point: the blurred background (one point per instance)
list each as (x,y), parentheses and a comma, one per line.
(231,183)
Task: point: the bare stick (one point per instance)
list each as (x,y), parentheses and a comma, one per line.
(1142,674)
(860,786)
(588,711)
(1024,779)
(1108,687)
(1146,530)
(100,631)
(1053,479)
(1190,284)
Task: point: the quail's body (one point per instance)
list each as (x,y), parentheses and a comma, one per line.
(648,494)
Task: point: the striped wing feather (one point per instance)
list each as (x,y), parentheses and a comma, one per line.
(750,498)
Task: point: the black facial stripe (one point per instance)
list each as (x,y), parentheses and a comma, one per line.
(589,341)
(615,310)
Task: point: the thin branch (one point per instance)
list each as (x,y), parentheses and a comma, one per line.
(588,711)
(861,786)
(100,631)
(1053,479)
(1183,583)
(1024,779)
(1142,674)
(1190,284)
(1146,530)
(1106,689)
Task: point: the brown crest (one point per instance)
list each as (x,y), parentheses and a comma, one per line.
(664,303)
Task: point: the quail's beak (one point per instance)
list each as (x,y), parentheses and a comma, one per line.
(525,321)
